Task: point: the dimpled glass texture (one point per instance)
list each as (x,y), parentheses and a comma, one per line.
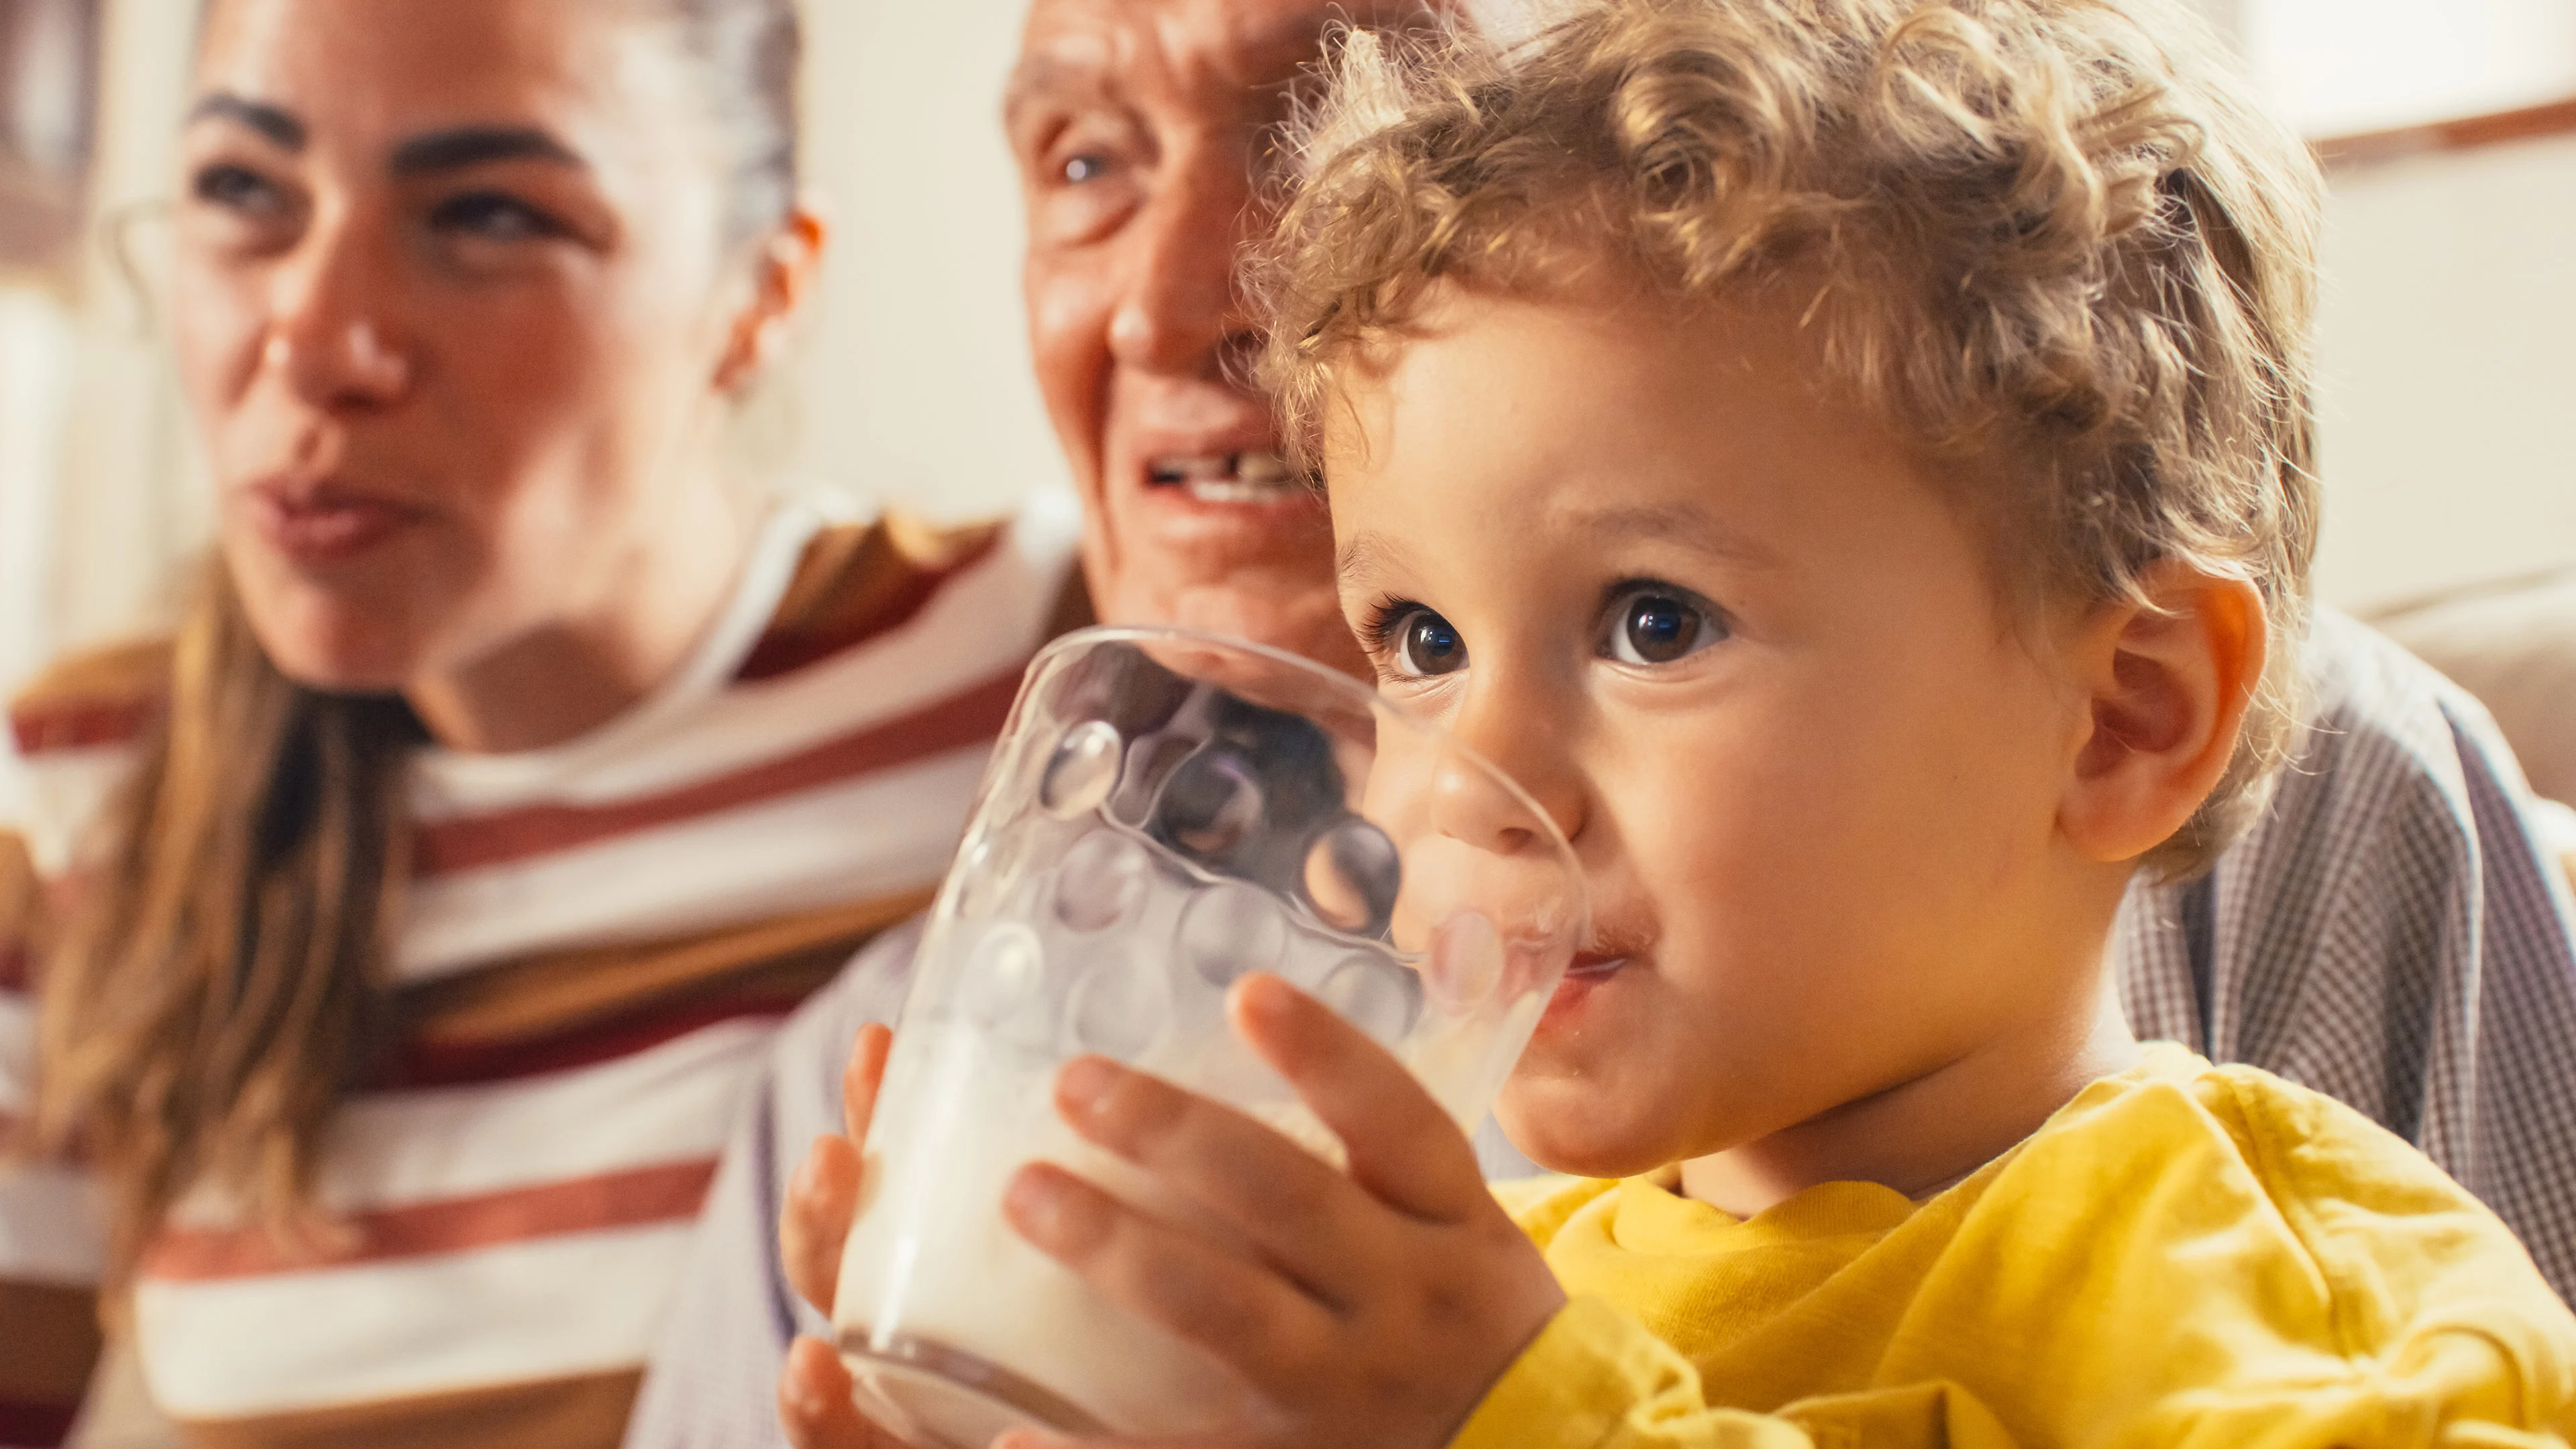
(1167,813)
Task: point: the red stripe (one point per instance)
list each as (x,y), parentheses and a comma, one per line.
(15,968)
(25,1425)
(436,1064)
(973,717)
(76,725)
(784,651)
(634,1198)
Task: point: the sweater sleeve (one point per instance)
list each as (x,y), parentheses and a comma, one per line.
(51,1251)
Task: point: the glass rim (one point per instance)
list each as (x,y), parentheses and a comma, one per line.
(1354,692)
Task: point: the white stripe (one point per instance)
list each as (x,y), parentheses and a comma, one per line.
(62,793)
(52,1226)
(581,1304)
(671,1103)
(982,624)
(874,835)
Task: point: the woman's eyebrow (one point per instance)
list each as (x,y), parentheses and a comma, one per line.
(277,125)
(474,145)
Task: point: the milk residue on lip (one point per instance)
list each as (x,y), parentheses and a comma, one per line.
(930,1257)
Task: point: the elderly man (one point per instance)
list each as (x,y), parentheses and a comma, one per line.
(2390,934)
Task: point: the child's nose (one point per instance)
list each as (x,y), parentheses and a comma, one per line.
(1506,815)
(1523,742)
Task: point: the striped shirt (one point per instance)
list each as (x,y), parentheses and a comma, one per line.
(2392,933)
(598,944)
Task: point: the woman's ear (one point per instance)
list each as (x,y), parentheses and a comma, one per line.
(2167,686)
(783,275)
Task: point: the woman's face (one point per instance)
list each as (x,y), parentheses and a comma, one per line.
(455,313)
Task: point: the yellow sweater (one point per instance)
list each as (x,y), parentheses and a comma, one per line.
(2185,1255)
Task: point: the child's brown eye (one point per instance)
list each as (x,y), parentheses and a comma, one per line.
(1426,645)
(1649,626)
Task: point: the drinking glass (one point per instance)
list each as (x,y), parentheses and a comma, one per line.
(1166,812)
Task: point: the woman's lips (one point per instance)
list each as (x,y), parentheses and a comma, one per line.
(320,525)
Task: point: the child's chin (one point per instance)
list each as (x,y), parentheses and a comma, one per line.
(1556,1123)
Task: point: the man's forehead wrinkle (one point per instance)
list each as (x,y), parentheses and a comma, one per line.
(1059,59)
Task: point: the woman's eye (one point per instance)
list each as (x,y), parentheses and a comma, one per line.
(239,189)
(1427,645)
(490,216)
(1657,626)
(1088,166)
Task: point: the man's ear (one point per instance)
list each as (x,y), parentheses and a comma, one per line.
(2167,684)
(783,275)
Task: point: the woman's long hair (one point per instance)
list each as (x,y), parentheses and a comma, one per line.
(222,981)
(216,990)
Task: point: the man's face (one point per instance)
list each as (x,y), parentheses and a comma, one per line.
(1145,136)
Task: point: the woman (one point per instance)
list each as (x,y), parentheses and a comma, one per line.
(399,932)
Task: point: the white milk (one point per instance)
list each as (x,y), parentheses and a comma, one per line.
(931,1254)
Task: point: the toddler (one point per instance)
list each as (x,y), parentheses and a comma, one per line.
(1848,459)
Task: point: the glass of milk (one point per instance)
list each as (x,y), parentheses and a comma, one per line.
(1166,812)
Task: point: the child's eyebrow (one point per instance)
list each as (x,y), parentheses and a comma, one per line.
(1671,523)
(1363,555)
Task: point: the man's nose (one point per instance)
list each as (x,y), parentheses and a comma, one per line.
(1182,310)
(334,334)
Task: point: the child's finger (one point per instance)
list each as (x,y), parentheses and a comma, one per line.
(1302,1215)
(1403,1149)
(1245,1315)
(814,1403)
(822,1198)
(861,1079)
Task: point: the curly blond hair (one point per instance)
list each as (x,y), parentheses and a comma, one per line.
(2051,236)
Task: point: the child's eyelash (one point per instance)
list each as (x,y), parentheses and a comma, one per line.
(1384,621)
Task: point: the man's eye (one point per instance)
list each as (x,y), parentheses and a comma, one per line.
(1657,626)
(1088,166)
(1427,645)
(490,216)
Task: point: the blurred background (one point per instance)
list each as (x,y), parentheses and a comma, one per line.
(2450,127)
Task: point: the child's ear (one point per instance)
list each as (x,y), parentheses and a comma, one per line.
(2167,688)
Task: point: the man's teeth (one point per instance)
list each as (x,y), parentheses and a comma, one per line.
(1252,476)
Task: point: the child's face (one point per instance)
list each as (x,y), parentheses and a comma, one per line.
(1732,635)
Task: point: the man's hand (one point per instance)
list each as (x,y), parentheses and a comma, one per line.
(814,1390)
(1376,1307)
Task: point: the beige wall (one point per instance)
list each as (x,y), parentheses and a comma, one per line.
(917,385)
(2450,380)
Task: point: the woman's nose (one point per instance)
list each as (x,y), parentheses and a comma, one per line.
(337,367)
(331,335)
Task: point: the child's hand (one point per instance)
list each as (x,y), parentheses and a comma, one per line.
(814,1403)
(1374,1308)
